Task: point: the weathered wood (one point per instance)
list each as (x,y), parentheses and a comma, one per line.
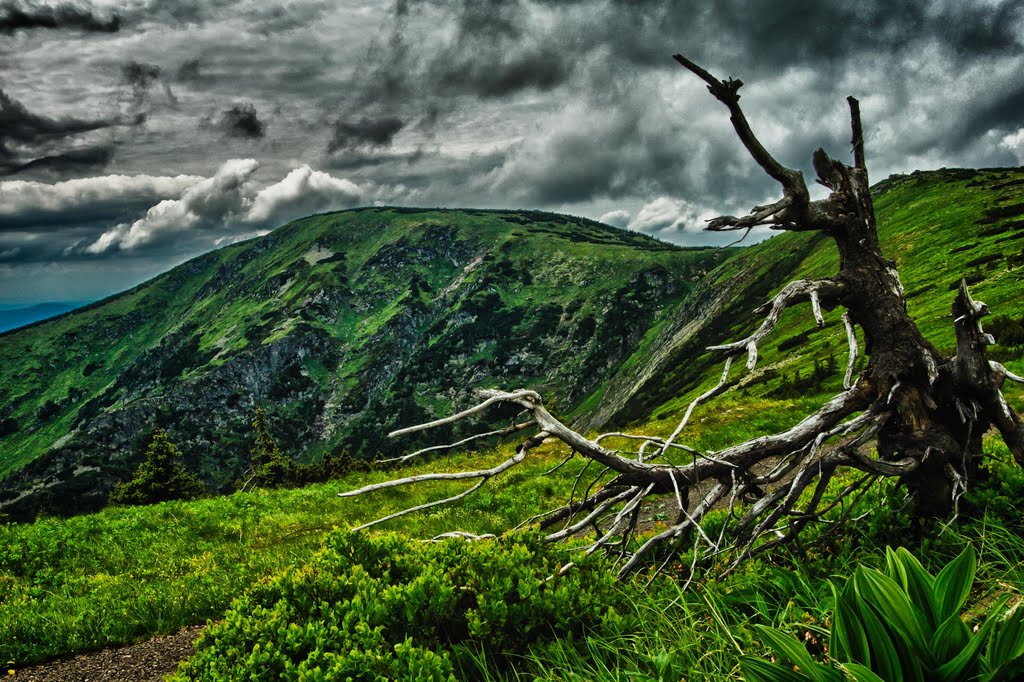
(927,413)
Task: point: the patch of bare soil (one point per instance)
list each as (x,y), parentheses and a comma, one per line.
(147,661)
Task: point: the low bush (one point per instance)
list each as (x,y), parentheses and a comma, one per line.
(393,608)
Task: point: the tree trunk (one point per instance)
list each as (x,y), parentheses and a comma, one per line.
(926,413)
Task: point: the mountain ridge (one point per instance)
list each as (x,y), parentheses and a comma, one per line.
(342,338)
(343,325)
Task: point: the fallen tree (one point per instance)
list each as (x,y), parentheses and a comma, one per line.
(926,413)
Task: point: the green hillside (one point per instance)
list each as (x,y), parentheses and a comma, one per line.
(71,585)
(938,226)
(341,326)
(347,325)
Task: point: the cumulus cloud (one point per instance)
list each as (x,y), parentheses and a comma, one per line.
(669,215)
(215,200)
(567,105)
(618,218)
(679,221)
(1014,142)
(302,192)
(226,202)
(33,204)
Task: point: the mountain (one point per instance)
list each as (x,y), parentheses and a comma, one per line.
(12,317)
(342,326)
(937,226)
(346,325)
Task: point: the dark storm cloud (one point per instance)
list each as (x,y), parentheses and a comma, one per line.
(364,133)
(23,134)
(241,121)
(17,15)
(571,105)
(190,71)
(18,124)
(1005,111)
(86,160)
(141,77)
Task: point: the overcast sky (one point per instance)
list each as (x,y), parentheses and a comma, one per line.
(134,135)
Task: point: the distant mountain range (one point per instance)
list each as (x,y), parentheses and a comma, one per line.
(344,326)
(14,316)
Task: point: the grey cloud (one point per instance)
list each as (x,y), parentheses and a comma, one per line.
(190,71)
(364,133)
(87,159)
(1005,112)
(30,15)
(141,78)
(23,134)
(242,121)
(42,206)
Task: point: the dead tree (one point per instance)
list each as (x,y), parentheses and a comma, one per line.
(926,412)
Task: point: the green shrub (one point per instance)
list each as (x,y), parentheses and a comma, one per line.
(270,466)
(393,608)
(904,624)
(159,478)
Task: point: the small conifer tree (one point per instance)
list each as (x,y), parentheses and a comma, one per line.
(270,467)
(160,477)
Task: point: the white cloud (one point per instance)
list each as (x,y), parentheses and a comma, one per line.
(229,200)
(217,199)
(302,192)
(18,197)
(1014,142)
(619,218)
(665,217)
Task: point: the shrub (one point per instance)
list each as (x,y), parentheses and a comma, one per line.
(159,478)
(270,466)
(393,608)
(904,624)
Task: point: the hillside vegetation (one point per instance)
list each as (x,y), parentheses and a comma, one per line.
(268,567)
(341,327)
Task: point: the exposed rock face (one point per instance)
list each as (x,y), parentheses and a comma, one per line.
(342,327)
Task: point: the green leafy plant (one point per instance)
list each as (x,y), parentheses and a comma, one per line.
(159,478)
(903,623)
(393,608)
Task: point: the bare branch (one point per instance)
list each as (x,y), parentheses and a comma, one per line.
(793,292)
(851,338)
(451,446)
(775,486)
(696,401)
(421,507)
(494,397)
(727,93)
(857,142)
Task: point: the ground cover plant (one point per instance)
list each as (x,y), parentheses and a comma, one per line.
(71,585)
(388,607)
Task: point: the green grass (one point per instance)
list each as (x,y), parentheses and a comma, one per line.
(932,224)
(124,574)
(69,585)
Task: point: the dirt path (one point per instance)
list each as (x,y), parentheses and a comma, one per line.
(147,661)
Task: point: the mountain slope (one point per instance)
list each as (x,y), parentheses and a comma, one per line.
(342,326)
(938,227)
